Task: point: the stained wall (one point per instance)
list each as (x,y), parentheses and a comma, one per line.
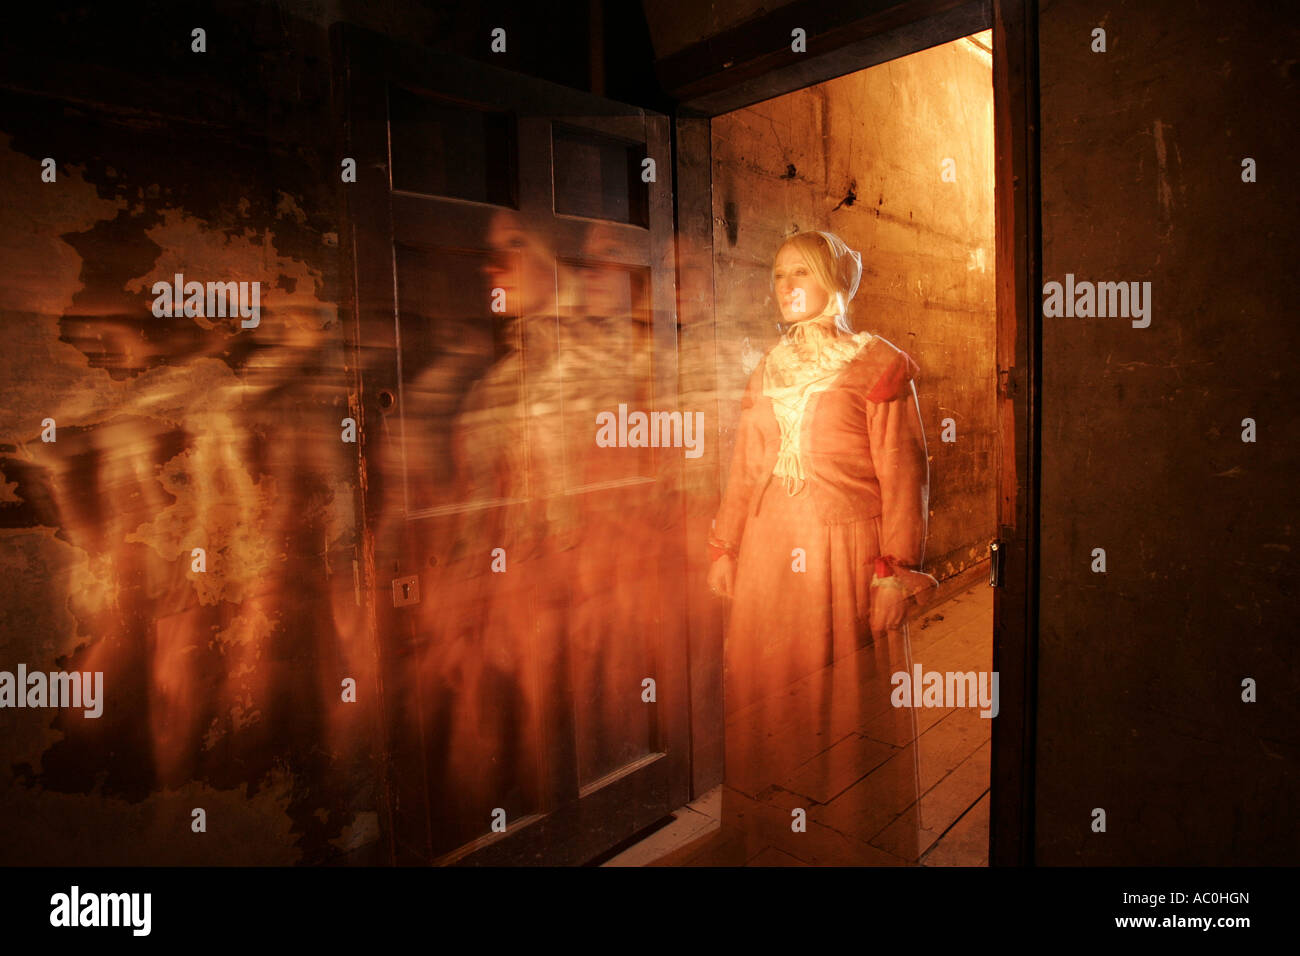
(897,160)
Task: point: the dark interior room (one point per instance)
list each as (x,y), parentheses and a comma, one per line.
(663,433)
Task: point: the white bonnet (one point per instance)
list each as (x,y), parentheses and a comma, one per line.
(848,264)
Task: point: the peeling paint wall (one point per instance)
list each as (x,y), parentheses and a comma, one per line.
(222,687)
(863,156)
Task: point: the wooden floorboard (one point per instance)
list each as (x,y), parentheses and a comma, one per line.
(878,785)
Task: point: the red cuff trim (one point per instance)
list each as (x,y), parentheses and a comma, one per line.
(886,563)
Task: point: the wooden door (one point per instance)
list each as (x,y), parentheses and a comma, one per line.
(514,278)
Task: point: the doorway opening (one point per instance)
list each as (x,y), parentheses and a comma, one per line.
(881,755)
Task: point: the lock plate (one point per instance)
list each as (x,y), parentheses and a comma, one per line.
(406,590)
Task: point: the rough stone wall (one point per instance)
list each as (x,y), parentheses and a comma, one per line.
(863,156)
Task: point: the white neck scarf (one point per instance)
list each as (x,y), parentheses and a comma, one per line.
(807,360)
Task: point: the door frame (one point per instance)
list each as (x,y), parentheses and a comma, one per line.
(753,62)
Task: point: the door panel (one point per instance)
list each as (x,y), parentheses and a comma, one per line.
(514,278)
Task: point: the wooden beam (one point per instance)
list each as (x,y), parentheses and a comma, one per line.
(754,61)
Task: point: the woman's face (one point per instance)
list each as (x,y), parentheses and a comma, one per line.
(604,289)
(522,266)
(798,293)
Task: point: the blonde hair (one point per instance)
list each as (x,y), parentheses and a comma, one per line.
(832,263)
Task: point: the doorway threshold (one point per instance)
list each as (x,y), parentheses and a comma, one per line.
(690,822)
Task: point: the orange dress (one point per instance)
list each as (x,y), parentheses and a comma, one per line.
(805,561)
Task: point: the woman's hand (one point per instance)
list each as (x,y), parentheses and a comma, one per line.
(722,576)
(888,608)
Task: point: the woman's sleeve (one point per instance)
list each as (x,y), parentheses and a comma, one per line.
(746,466)
(899,454)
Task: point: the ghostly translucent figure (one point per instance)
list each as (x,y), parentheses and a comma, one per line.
(826,498)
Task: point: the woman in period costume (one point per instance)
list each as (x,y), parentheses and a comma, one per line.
(820,536)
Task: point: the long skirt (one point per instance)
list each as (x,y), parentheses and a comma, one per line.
(802,595)
(802,669)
